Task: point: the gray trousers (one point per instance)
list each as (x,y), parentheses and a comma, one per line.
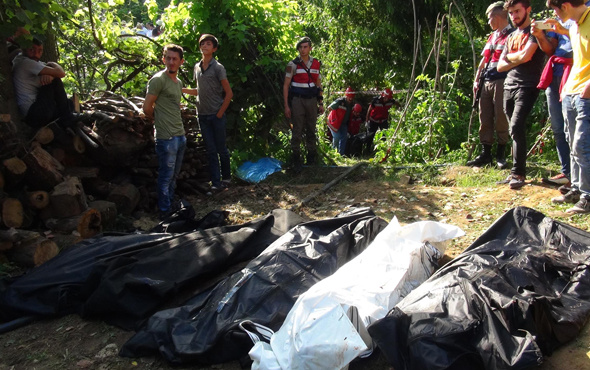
(304,115)
(491,113)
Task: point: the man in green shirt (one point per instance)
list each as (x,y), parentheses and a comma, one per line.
(162,103)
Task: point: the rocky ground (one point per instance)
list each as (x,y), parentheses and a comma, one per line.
(72,343)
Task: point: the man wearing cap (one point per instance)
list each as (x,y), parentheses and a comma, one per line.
(303,100)
(339,116)
(213,97)
(491,102)
(162,103)
(378,112)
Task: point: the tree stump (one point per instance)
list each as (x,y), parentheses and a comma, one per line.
(68,199)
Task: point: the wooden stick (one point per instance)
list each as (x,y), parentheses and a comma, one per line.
(326,187)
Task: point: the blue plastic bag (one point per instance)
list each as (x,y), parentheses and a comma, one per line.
(254,172)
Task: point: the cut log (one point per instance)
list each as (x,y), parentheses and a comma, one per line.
(126,197)
(68,199)
(33,252)
(44,136)
(38,199)
(44,171)
(108,212)
(13,214)
(15,170)
(86,224)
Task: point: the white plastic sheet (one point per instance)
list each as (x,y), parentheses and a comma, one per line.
(326,328)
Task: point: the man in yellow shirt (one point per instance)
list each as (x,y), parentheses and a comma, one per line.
(576,98)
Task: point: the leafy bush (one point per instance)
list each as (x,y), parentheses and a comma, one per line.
(435,123)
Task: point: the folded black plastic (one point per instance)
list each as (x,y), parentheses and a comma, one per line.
(123,279)
(206,329)
(517,293)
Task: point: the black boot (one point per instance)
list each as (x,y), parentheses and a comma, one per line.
(297,163)
(501,157)
(484,158)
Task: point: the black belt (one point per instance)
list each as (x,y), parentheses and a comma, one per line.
(304,96)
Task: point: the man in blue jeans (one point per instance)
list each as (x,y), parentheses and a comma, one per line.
(523,59)
(162,103)
(576,99)
(213,97)
(559,48)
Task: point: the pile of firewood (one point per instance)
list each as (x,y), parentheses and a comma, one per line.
(78,179)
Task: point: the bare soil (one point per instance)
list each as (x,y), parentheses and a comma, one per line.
(73,343)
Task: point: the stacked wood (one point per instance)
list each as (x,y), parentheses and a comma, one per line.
(77,180)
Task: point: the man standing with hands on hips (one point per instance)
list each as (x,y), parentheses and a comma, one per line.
(162,103)
(303,99)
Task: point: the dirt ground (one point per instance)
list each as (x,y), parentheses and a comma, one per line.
(73,343)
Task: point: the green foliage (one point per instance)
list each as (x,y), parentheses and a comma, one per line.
(434,124)
(255,43)
(101,52)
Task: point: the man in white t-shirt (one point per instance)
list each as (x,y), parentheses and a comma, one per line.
(40,93)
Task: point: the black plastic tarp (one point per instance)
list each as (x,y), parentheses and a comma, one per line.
(517,293)
(206,329)
(125,278)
